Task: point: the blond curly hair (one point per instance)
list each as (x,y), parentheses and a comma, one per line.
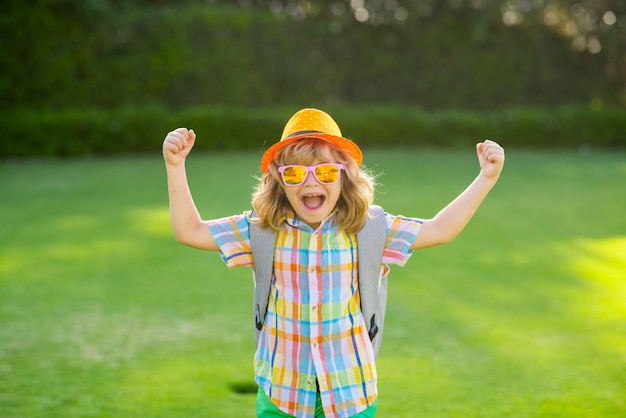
(357,185)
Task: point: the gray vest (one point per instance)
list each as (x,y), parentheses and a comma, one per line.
(372,285)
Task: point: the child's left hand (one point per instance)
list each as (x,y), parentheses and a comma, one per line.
(491,158)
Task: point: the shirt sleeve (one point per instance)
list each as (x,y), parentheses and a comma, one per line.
(232,235)
(401,232)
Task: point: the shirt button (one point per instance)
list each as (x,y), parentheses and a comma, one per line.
(314,345)
(314,308)
(312,270)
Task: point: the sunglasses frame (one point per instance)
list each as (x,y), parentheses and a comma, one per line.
(309,169)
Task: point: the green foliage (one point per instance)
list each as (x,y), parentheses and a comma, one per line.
(141,129)
(112,76)
(72,54)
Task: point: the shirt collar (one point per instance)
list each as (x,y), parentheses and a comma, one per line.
(293,220)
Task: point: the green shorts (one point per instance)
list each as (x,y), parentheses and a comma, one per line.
(266,409)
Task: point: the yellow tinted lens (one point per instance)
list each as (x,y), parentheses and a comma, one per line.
(327,173)
(294,175)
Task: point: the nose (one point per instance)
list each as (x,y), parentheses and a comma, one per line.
(310,179)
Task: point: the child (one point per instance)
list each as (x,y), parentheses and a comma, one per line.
(314,356)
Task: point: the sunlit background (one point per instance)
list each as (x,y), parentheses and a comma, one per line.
(103,313)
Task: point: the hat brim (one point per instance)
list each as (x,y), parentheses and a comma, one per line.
(343,144)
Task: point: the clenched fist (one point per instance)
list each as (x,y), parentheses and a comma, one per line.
(177,145)
(491,158)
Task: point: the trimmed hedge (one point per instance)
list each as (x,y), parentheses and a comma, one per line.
(63,133)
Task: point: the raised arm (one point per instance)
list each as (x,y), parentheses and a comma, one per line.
(452,219)
(189,228)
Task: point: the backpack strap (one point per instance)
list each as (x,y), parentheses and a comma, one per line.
(372,285)
(263,242)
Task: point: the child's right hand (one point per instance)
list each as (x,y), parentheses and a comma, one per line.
(177,145)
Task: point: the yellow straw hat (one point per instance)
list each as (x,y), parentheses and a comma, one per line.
(311,123)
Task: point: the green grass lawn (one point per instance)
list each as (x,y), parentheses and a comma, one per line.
(103,314)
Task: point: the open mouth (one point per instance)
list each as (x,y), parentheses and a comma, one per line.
(313,201)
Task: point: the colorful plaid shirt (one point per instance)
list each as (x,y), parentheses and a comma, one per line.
(314,336)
